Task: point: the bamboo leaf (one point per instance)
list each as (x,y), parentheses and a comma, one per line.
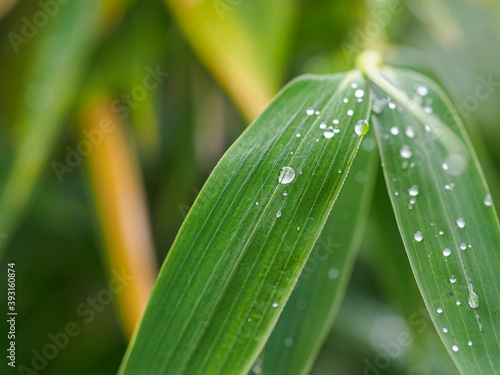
(240,251)
(312,307)
(444,212)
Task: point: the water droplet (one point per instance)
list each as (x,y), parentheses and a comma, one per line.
(455,164)
(463,246)
(392,105)
(458,302)
(361,127)
(288,342)
(298,228)
(428,110)
(453,279)
(316,113)
(310,111)
(256,203)
(354,85)
(297,135)
(410,133)
(455,348)
(412,200)
(427,128)
(285,193)
(439,310)
(278,214)
(350,112)
(275,304)
(336,130)
(445,330)
(405,152)
(345,100)
(329,132)
(413,191)
(421,90)
(418,236)
(469,343)
(394,130)
(322,125)
(473,298)
(335,121)
(447,252)
(286,175)
(488,201)
(461,222)
(340,170)
(441,232)
(359,93)
(333,273)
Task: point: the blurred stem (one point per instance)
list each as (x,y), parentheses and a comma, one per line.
(121,206)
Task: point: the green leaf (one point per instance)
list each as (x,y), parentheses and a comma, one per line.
(240,251)
(312,307)
(64,47)
(445,216)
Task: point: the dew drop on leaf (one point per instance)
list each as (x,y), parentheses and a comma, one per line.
(275,304)
(329,132)
(413,191)
(455,348)
(410,133)
(488,201)
(446,252)
(473,298)
(286,175)
(333,273)
(361,127)
(394,130)
(405,152)
(439,310)
(310,111)
(453,279)
(461,222)
(421,90)
(418,236)
(359,93)
(278,214)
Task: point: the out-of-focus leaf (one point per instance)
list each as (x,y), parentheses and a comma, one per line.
(240,251)
(242,43)
(311,309)
(444,212)
(121,206)
(52,80)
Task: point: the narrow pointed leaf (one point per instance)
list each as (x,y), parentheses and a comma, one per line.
(240,251)
(445,215)
(311,309)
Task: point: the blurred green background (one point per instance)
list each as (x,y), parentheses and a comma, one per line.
(113,113)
